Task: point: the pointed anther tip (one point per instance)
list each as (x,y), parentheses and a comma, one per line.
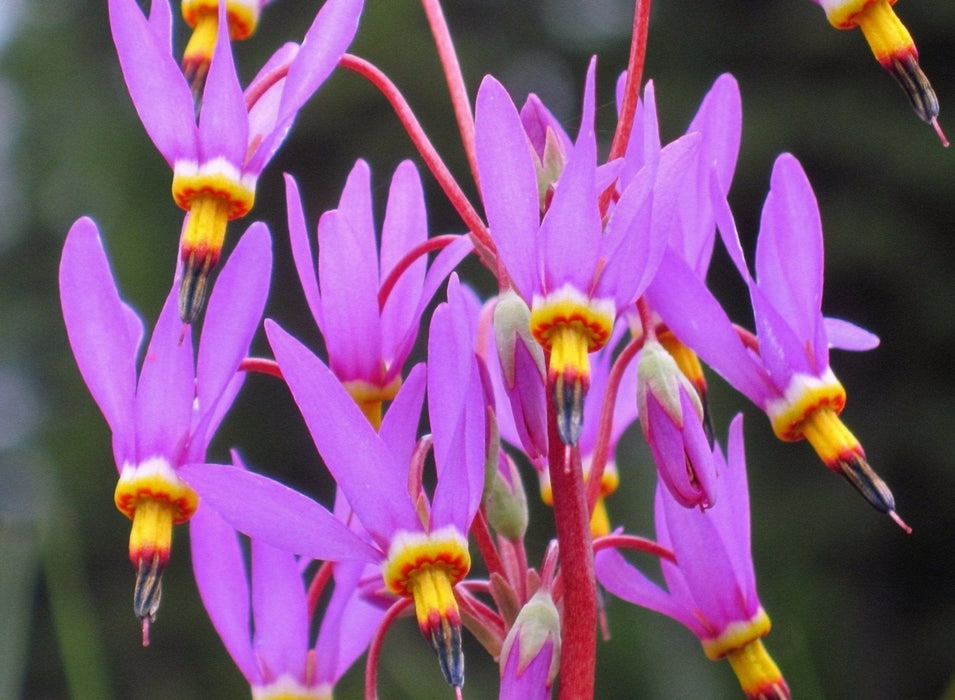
(938,130)
(145,632)
(569,404)
(856,471)
(901,523)
(194,288)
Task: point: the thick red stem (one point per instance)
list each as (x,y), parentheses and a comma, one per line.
(572,518)
(477,227)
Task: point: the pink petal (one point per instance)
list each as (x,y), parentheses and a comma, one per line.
(100,330)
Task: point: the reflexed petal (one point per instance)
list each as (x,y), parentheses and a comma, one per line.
(705,564)
(627,582)
(305,264)
(155,82)
(363,466)
(323,46)
(697,319)
(348,278)
(262,508)
(444,263)
(789,257)
(348,625)
(263,113)
(719,123)
(223,121)
(508,184)
(235,309)
(405,226)
(571,232)
(166,389)
(848,336)
(399,427)
(220,573)
(782,352)
(101,331)
(456,409)
(280,612)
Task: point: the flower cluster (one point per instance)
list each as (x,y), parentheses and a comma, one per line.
(602,319)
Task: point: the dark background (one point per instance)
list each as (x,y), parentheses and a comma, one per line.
(859,609)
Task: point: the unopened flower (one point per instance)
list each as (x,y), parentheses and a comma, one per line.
(167,416)
(671,415)
(530,655)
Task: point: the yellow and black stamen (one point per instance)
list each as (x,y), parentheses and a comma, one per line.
(425,568)
(894,49)
(813,414)
(152,497)
(741,643)
(212,199)
(570,326)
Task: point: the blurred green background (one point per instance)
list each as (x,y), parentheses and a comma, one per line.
(859,609)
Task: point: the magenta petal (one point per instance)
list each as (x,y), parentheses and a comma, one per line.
(782,352)
(166,389)
(405,226)
(456,409)
(220,573)
(706,565)
(848,336)
(445,262)
(732,515)
(571,231)
(789,256)
(155,82)
(160,23)
(363,466)
(324,43)
(280,612)
(305,264)
(697,319)
(235,309)
(399,427)
(627,582)
(323,46)
(265,509)
(348,278)
(100,330)
(348,625)
(263,111)
(223,120)
(508,184)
